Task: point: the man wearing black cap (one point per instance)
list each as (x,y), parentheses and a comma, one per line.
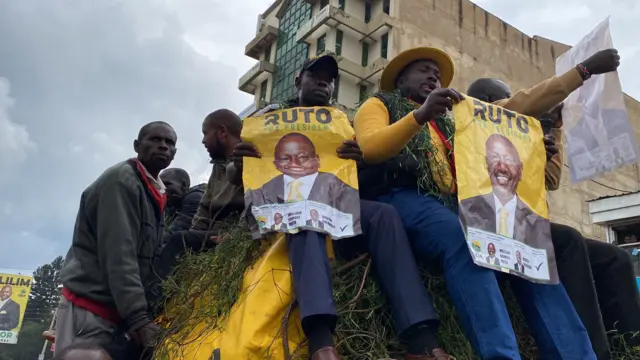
(383,238)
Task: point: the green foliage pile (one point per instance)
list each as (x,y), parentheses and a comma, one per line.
(205,287)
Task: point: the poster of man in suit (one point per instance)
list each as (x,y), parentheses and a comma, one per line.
(14,295)
(9,310)
(492,259)
(519,266)
(314,220)
(501,160)
(303,185)
(277,222)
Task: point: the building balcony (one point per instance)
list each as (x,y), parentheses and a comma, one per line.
(255,76)
(327,18)
(378,26)
(252,109)
(362,75)
(265,37)
(373,71)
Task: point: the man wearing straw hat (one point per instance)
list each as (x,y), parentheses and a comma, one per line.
(421,184)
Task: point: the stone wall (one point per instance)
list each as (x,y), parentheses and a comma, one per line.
(482,45)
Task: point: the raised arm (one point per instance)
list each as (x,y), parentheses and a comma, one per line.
(544,96)
(549,93)
(380,141)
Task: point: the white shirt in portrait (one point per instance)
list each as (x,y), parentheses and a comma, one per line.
(510,207)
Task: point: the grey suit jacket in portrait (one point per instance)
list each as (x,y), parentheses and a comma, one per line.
(327,189)
(529,228)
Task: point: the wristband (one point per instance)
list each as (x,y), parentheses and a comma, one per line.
(584,72)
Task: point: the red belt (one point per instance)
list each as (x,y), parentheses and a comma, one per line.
(105,312)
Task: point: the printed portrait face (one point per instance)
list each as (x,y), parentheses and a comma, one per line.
(5,293)
(518,256)
(314,214)
(295,156)
(503,164)
(491,249)
(277,218)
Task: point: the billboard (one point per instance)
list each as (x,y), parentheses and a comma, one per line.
(14,295)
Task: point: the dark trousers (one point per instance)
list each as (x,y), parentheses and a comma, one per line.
(601,283)
(385,239)
(436,235)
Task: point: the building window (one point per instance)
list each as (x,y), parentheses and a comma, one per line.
(323,3)
(263,90)
(339,42)
(384,45)
(321,44)
(289,54)
(341,4)
(365,54)
(386,5)
(267,53)
(363,93)
(336,87)
(367,11)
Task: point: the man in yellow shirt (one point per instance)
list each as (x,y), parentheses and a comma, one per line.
(415,96)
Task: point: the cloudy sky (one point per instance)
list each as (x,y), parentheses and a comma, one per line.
(79,78)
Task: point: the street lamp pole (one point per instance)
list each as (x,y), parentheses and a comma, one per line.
(51,327)
(44,346)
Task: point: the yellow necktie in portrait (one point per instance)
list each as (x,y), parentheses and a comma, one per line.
(294,191)
(503,226)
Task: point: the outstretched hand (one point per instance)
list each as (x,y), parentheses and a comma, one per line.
(602,62)
(437,103)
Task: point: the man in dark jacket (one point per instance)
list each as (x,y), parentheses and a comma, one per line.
(221,130)
(107,274)
(182,201)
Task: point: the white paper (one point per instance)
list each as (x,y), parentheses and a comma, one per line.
(599,137)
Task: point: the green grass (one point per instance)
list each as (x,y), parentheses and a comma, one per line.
(206,285)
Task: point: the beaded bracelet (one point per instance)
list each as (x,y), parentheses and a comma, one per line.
(584,73)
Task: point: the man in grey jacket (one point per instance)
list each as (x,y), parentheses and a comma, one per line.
(107,275)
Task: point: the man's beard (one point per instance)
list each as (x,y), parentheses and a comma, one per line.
(218,152)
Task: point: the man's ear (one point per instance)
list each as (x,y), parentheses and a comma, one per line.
(136,145)
(296,81)
(223,131)
(400,81)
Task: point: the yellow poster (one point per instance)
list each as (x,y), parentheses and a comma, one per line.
(299,183)
(14,296)
(500,165)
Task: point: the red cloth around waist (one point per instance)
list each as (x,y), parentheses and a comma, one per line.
(104,311)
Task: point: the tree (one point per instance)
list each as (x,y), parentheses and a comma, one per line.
(43,300)
(45,294)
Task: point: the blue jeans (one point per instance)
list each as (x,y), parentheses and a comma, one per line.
(435,234)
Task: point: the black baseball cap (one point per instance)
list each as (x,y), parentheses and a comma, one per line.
(326,62)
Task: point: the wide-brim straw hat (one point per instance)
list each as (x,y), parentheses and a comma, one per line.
(398,63)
